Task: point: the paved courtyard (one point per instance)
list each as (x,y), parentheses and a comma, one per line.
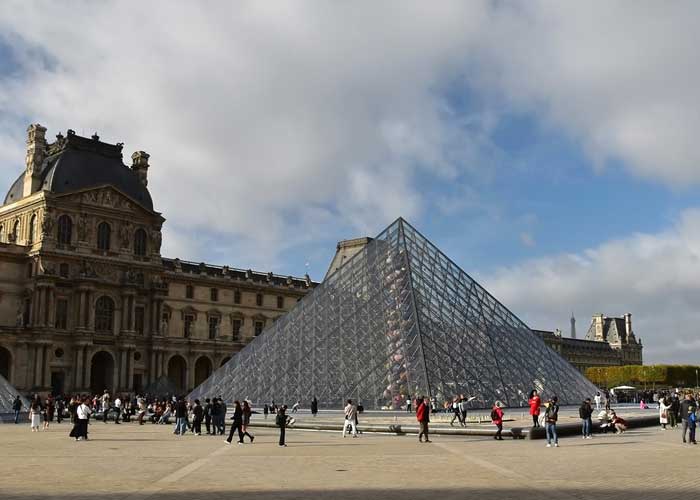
(133,462)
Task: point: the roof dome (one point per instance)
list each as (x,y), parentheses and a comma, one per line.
(74,163)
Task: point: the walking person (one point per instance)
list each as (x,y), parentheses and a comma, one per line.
(350,414)
(45,413)
(17,407)
(207,415)
(35,413)
(281,421)
(105,405)
(673,411)
(423,417)
(215,409)
(197,417)
(584,412)
(463,406)
(689,418)
(456,415)
(237,423)
(247,412)
(551,415)
(80,426)
(180,417)
(314,406)
(664,410)
(60,407)
(534,402)
(295,407)
(497,419)
(597,398)
(117,409)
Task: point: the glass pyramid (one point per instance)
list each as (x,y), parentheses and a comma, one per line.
(7,398)
(397,320)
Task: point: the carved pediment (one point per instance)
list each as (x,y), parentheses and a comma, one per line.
(105,197)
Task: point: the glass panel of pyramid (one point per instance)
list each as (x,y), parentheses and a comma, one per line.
(397,320)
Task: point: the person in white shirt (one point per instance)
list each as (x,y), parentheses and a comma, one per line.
(597,400)
(80,428)
(350,413)
(118,409)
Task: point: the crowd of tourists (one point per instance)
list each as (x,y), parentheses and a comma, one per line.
(677,410)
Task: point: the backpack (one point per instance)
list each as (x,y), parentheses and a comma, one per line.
(494,414)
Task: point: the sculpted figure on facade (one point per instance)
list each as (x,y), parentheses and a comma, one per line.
(125,234)
(157,239)
(47,224)
(83,228)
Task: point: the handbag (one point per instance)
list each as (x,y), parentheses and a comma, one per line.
(664,414)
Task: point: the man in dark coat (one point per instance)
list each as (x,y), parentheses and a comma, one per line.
(207,415)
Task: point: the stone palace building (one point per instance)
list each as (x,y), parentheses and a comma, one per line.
(610,341)
(87,302)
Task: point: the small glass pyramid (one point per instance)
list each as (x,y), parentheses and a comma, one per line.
(396,321)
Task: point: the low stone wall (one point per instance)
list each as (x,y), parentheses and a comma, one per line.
(574,429)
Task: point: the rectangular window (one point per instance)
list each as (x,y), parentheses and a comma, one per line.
(61,314)
(258,327)
(189,292)
(213,327)
(237,323)
(236,297)
(259,300)
(64,270)
(280,302)
(189,321)
(214,294)
(140,314)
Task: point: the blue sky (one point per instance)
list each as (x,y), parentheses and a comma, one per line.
(548,148)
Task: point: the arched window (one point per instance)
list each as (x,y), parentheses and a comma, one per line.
(32,226)
(104,314)
(104,234)
(140,242)
(15,232)
(65,230)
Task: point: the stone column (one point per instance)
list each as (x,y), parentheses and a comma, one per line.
(38,365)
(122,370)
(132,313)
(189,374)
(152,368)
(91,310)
(52,307)
(88,367)
(47,366)
(130,370)
(79,354)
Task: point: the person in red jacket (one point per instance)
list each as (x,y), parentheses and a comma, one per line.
(535,402)
(497,419)
(423,417)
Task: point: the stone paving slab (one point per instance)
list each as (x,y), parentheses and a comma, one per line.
(136,462)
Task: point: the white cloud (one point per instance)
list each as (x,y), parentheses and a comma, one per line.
(656,277)
(270,123)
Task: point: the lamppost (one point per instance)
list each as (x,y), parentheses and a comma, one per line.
(696,379)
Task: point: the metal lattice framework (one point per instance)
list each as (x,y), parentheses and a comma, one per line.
(7,397)
(398,319)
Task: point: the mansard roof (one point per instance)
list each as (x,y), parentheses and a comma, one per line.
(74,163)
(211,271)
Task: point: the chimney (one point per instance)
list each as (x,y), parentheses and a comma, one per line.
(140,165)
(36,152)
(599,323)
(628,326)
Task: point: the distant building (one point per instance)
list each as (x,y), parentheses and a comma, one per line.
(609,342)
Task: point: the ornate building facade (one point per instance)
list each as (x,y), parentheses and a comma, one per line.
(87,302)
(609,341)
